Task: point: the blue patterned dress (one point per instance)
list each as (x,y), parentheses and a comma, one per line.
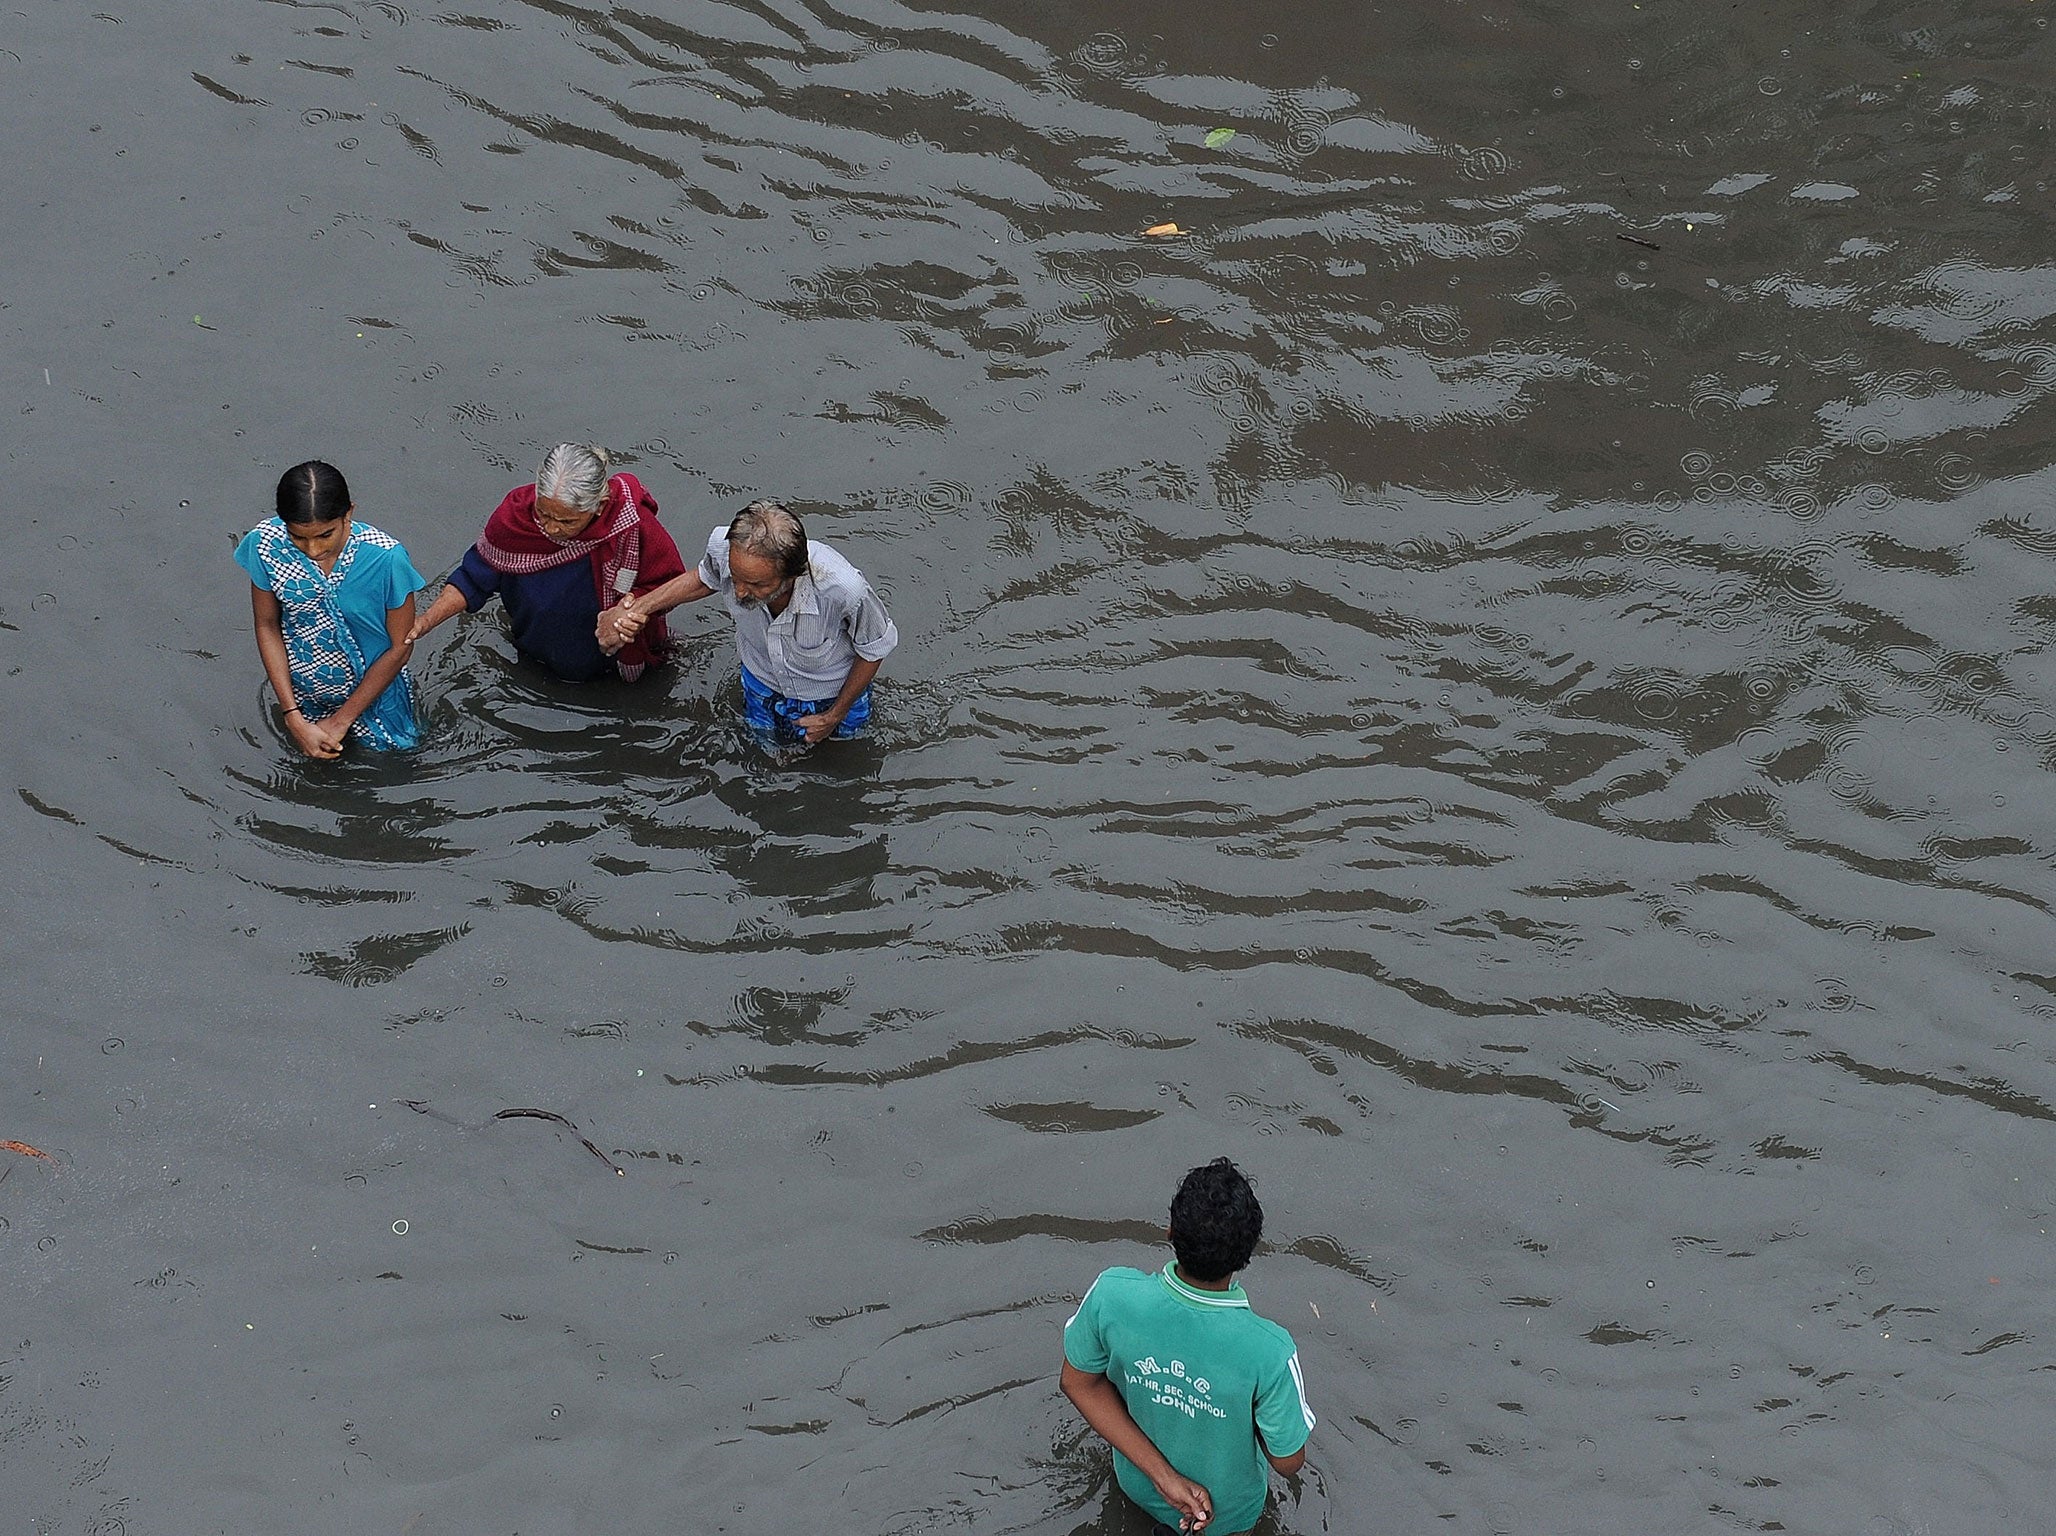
(334,624)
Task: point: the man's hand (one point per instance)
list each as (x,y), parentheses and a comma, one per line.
(612,629)
(620,624)
(1194,1504)
(816,728)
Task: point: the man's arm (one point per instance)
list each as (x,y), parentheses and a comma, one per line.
(818,726)
(1099,1401)
(679,589)
(1283,1417)
(1287,1466)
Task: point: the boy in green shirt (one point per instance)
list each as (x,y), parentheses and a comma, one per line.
(1194,1391)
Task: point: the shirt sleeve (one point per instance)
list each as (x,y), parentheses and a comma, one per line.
(402,581)
(870,627)
(475,579)
(251,562)
(1282,1416)
(714,565)
(1085,1346)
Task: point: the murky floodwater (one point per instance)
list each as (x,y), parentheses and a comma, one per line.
(1499,678)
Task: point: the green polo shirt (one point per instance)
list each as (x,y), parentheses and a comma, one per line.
(1203,1376)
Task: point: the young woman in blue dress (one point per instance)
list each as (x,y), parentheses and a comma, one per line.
(333,602)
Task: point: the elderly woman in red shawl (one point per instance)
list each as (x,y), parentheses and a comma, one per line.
(560,554)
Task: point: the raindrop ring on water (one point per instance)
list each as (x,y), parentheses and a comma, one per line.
(1103,52)
(1848,785)
(2038,358)
(1696,463)
(1657,700)
(1479,164)
(1955,473)
(945,496)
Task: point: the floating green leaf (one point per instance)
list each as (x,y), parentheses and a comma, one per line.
(1216,137)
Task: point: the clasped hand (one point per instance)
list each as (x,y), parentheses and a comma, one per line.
(318,738)
(618,625)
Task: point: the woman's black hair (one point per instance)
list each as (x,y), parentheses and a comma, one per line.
(1215,1222)
(314,492)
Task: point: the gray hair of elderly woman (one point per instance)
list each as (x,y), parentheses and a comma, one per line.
(575,474)
(770,529)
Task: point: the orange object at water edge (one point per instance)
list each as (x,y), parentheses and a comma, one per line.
(26,1150)
(1163,229)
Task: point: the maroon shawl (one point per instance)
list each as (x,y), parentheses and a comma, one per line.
(625,536)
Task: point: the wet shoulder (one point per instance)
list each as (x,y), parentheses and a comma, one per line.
(833,573)
(374,538)
(261,545)
(260,536)
(1275,1336)
(1128,1288)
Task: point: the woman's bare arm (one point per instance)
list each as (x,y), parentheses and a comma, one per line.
(271,648)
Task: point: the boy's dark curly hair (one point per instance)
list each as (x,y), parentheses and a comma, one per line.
(1215,1222)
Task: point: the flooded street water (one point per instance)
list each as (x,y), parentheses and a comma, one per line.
(1499,677)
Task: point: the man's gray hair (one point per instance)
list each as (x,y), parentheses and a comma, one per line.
(575,474)
(770,530)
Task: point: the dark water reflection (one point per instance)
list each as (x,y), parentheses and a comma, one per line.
(1499,677)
